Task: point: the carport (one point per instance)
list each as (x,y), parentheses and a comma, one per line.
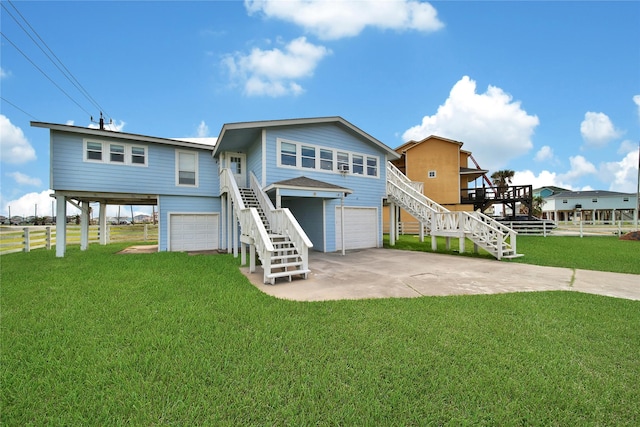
(81,200)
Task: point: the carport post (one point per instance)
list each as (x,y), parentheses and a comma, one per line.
(102,221)
(84,226)
(61,226)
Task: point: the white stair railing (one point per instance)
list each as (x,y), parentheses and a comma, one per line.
(283,222)
(484,231)
(251,227)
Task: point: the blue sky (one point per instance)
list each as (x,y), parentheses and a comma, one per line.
(550,90)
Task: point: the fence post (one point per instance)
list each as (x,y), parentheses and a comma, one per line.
(27,246)
(145,231)
(544,228)
(48,238)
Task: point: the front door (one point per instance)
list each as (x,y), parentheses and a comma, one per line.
(238,166)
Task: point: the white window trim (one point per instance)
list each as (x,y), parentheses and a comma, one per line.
(178,169)
(318,159)
(431,174)
(106,153)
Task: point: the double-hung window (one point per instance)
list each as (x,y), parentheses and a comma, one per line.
(114,153)
(343,161)
(358,166)
(138,155)
(93,151)
(308,157)
(288,154)
(372,166)
(186,168)
(326,159)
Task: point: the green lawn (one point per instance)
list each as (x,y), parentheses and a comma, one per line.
(601,253)
(97,338)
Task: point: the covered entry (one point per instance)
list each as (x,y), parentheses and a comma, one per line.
(193,231)
(311,202)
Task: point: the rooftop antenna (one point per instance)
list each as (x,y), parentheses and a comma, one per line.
(101,122)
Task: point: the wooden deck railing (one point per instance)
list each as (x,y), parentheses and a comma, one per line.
(24,239)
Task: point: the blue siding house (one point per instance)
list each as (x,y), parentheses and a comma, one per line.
(274,189)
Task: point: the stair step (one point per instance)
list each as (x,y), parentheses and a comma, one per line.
(274,276)
(286,265)
(289,256)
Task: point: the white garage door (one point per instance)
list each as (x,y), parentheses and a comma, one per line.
(193,232)
(361,228)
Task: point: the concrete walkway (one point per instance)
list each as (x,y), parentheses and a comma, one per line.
(386,273)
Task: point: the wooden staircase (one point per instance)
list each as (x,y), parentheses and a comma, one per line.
(496,238)
(285,260)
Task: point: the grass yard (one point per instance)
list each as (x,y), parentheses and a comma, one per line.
(600,253)
(97,338)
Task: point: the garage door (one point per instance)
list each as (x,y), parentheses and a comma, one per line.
(193,232)
(361,228)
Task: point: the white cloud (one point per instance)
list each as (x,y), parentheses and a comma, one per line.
(274,72)
(23,179)
(115,127)
(69,122)
(579,167)
(347,18)
(627,146)
(203,130)
(636,99)
(14,146)
(543,179)
(545,153)
(597,129)
(4,73)
(622,175)
(488,123)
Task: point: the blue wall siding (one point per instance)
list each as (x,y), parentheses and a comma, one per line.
(180,204)
(70,172)
(308,212)
(367,191)
(254,159)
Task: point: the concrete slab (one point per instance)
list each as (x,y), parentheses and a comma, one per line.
(386,273)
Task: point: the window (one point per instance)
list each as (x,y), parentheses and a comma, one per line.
(186,168)
(117,153)
(625,199)
(308,157)
(94,151)
(236,165)
(358,164)
(565,201)
(343,161)
(372,166)
(138,155)
(594,200)
(431,174)
(323,159)
(288,154)
(326,159)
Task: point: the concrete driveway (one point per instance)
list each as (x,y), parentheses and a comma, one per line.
(387,273)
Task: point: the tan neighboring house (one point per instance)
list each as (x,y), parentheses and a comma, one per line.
(443,168)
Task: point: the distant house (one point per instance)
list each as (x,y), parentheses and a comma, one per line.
(548,191)
(604,206)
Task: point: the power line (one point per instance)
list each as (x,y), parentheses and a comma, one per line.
(66,72)
(45,74)
(18,108)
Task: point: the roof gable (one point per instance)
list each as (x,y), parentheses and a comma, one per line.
(411,144)
(251,130)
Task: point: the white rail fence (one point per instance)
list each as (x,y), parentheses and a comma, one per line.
(24,239)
